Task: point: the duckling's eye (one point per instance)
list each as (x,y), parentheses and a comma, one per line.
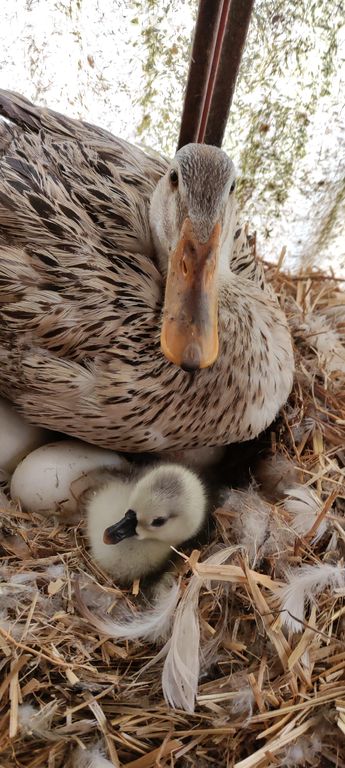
(233,185)
(173,178)
(158,521)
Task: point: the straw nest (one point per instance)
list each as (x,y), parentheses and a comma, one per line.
(269,620)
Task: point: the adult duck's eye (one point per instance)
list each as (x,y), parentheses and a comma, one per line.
(233,185)
(173,178)
(158,521)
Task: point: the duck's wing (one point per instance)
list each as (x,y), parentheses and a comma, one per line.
(244,259)
(75,246)
(76,267)
(66,179)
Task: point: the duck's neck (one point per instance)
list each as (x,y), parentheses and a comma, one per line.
(161,253)
(227,244)
(158,223)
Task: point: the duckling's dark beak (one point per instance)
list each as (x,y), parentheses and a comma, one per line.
(121,530)
(189,336)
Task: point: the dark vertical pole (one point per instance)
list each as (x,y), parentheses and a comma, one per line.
(223,19)
(219,38)
(227,72)
(204,41)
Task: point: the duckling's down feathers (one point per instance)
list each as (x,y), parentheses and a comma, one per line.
(167,492)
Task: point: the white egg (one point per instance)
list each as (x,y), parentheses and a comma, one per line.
(46,480)
(17,437)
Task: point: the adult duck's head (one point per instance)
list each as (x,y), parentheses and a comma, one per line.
(192,217)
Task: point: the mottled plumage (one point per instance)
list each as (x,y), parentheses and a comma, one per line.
(81,292)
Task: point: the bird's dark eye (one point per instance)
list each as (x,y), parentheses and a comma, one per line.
(158,521)
(173,178)
(233,185)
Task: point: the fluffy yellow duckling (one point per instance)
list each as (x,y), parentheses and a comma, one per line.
(133,522)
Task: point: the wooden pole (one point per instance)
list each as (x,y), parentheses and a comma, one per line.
(219,38)
(204,42)
(227,71)
(213,74)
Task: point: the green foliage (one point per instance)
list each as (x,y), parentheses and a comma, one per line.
(287,69)
(332,220)
(165,43)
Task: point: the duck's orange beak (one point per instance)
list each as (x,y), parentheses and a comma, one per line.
(189,336)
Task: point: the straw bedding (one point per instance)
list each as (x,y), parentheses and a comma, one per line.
(270,619)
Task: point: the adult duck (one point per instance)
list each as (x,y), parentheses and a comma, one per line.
(133,313)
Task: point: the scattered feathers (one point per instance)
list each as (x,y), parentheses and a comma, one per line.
(150,624)
(303,586)
(182,664)
(37,722)
(274,474)
(243,701)
(304,505)
(181,667)
(257,526)
(326,341)
(90,758)
(251,524)
(302,752)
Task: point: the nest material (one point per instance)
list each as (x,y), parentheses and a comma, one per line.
(268,696)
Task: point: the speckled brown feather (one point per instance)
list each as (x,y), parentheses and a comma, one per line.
(81,300)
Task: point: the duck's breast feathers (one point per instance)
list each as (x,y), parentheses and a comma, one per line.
(87,352)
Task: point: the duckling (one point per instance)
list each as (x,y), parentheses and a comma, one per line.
(132,522)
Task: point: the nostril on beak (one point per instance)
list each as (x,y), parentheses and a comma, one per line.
(184,267)
(191,358)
